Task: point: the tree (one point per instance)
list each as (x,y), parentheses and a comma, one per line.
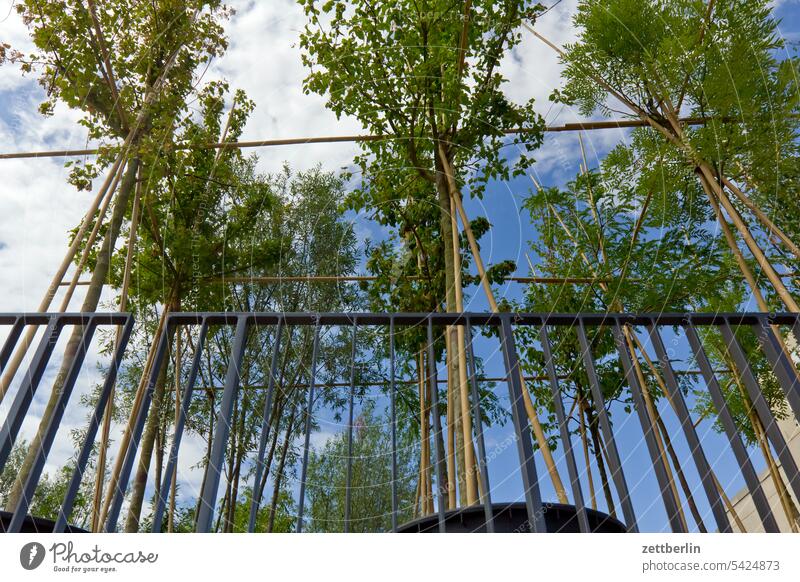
(249,226)
(371,487)
(638,232)
(660,60)
(132,88)
(436,95)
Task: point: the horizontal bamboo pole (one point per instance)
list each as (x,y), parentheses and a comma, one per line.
(366,278)
(415,381)
(358,278)
(577,126)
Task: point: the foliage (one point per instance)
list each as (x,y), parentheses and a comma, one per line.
(371,479)
(72,53)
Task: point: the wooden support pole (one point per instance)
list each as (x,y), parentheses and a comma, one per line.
(575,126)
(533,415)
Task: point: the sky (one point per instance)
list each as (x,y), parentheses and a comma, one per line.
(38,207)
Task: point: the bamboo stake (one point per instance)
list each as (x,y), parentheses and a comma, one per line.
(649,404)
(687,491)
(728,505)
(637,368)
(533,415)
(678,139)
(123,305)
(126,435)
(653,415)
(780,488)
(466,418)
(576,126)
(451,429)
(735,250)
(756,251)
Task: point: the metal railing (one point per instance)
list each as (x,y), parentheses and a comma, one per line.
(503,326)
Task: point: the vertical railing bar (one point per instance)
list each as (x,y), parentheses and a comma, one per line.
(208,495)
(611,444)
(11,342)
(437,428)
(648,424)
(739,450)
(85,452)
(689,431)
(561,417)
(46,443)
(186,399)
(527,463)
(763,411)
(307,442)
(265,425)
(350,406)
(393,416)
(136,433)
(476,412)
(781,364)
(30,382)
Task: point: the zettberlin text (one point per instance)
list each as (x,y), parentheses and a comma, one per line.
(665,548)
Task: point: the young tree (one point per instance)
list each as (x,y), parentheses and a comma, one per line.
(639,232)
(426,76)
(717,61)
(131,86)
(371,486)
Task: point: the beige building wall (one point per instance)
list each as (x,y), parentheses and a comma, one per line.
(743,502)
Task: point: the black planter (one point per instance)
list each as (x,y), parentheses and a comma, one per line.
(513,518)
(35,524)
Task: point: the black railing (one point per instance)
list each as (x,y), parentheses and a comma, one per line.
(503,326)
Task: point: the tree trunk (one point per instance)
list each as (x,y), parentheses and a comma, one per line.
(211,418)
(259,487)
(276,489)
(598,457)
(585,443)
(148,441)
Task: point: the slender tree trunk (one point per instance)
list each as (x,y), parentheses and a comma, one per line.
(276,413)
(92,298)
(148,441)
(211,417)
(276,489)
(687,491)
(599,448)
(652,416)
(584,441)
